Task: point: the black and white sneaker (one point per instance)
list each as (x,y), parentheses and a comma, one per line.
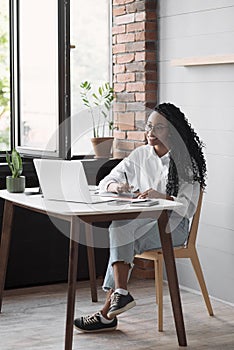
(93,324)
(119,304)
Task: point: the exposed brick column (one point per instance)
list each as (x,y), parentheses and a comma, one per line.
(134,70)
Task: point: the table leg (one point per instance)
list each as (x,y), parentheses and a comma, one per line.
(5,244)
(168,254)
(91,261)
(72,276)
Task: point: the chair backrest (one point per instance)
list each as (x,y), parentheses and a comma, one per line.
(195,222)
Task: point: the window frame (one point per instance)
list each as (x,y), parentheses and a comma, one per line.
(3,153)
(64,90)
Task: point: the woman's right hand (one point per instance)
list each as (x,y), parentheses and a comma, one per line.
(119,187)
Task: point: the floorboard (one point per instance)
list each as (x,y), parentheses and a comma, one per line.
(34,319)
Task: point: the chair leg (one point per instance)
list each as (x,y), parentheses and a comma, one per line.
(198,270)
(156,280)
(158,266)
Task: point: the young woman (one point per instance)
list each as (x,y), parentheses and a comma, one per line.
(171,166)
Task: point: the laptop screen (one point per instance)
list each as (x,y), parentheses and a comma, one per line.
(62,180)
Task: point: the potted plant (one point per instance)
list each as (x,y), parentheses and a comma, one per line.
(15,183)
(99,104)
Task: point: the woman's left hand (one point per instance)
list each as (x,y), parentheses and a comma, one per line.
(151,193)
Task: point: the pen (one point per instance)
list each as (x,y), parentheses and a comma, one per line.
(130,188)
(126,178)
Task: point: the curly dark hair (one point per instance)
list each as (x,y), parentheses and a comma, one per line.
(187,160)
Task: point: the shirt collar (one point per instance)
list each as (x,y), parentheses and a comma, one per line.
(163,158)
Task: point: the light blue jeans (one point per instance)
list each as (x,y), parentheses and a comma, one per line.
(131,237)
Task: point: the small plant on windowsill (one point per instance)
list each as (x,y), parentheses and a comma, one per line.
(15,183)
(99,105)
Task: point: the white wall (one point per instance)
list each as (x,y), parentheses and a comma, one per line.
(197,28)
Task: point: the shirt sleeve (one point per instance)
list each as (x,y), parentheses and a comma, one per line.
(188,195)
(127,165)
(116,175)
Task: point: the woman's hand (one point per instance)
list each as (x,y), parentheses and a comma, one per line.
(151,193)
(119,187)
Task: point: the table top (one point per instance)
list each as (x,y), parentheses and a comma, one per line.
(37,202)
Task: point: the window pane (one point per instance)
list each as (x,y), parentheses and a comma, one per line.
(4,77)
(89,61)
(38,60)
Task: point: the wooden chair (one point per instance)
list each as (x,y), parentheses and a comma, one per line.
(186,251)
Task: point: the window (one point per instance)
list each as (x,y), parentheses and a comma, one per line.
(90,60)
(46,73)
(5,129)
(41,77)
(38,76)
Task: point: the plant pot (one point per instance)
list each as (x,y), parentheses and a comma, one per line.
(15,185)
(102,146)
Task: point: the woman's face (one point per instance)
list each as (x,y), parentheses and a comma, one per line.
(157,130)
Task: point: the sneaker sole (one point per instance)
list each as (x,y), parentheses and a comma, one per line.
(96,331)
(127,307)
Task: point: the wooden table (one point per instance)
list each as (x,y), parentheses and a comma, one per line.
(77,213)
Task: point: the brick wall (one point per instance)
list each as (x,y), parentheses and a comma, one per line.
(134,50)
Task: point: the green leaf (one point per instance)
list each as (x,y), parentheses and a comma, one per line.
(107,105)
(15,163)
(111,124)
(8,159)
(85,85)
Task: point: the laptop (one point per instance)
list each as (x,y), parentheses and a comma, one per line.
(65,180)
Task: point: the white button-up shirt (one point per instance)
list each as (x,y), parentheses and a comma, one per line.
(145,169)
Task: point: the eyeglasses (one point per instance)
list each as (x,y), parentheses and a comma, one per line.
(156,128)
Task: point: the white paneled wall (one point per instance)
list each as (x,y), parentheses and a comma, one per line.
(199,28)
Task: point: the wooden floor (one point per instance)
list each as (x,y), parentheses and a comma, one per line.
(34,318)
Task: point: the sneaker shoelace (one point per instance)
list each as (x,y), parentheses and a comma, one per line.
(90,320)
(115,298)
